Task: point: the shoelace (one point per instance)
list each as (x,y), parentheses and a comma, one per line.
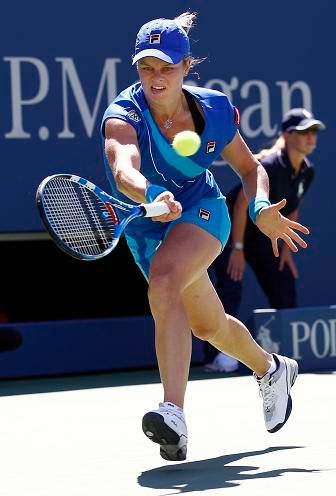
(267,392)
(172,411)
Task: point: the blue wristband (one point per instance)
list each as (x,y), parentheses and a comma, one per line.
(153,191)
(255,205)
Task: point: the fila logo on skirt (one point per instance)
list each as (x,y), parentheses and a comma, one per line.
(204,214)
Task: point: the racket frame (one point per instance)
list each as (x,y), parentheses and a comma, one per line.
(132,211)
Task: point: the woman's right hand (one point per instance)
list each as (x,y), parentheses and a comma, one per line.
(236,265)
(175,207)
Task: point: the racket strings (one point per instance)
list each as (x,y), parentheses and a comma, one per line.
(78,217)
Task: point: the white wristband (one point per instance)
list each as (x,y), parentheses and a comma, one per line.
(238,245)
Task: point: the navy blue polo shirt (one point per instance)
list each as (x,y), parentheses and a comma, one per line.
(283,183)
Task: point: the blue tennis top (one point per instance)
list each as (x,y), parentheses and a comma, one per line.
(188,178)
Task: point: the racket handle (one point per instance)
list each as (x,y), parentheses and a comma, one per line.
(154,209)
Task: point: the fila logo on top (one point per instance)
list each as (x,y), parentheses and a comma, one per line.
(211,146)
(155,39)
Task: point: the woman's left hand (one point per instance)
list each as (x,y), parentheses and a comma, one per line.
(274,225)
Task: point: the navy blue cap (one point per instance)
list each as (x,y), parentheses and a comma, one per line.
(299,119)
(163,39)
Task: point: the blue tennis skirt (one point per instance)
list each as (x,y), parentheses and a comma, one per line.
(211,214)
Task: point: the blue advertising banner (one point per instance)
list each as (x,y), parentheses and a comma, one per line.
(73,57)
(86,346)
(61,63)
(306,334)
(79,346)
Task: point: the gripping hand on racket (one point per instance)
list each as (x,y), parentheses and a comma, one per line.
(276,226)
(175,207)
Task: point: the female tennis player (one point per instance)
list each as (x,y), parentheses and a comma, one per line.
(174,250)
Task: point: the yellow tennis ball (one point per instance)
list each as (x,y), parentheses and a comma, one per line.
(186,143)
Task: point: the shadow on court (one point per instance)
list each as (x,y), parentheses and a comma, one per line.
(117,378)
(213,473)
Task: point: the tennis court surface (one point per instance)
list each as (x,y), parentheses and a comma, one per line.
(81,436)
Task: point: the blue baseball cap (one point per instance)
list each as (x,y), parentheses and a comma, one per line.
(163,39)
(299,119)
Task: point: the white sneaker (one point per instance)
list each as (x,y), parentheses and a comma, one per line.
(222,363)
(167,427)
(275,391)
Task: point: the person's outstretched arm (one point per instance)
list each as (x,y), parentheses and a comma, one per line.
(121,146)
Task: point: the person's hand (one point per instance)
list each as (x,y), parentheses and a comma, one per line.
(236,265)
(276,226)
(175,207)
(286,258)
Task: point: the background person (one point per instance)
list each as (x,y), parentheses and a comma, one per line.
(290,175)
(175,250)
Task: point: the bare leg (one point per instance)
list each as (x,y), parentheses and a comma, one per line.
(173,345)
(177,264)
(182,297)
(225,332)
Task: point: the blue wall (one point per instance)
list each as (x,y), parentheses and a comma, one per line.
(96,345)
(61,63)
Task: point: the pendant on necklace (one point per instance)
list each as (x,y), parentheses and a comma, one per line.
(168,123)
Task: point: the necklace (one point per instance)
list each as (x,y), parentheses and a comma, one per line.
(168,123)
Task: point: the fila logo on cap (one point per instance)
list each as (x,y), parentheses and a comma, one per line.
(211,146)
(155,39)
(204,214)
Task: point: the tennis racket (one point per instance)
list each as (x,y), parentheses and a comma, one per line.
(82,219)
